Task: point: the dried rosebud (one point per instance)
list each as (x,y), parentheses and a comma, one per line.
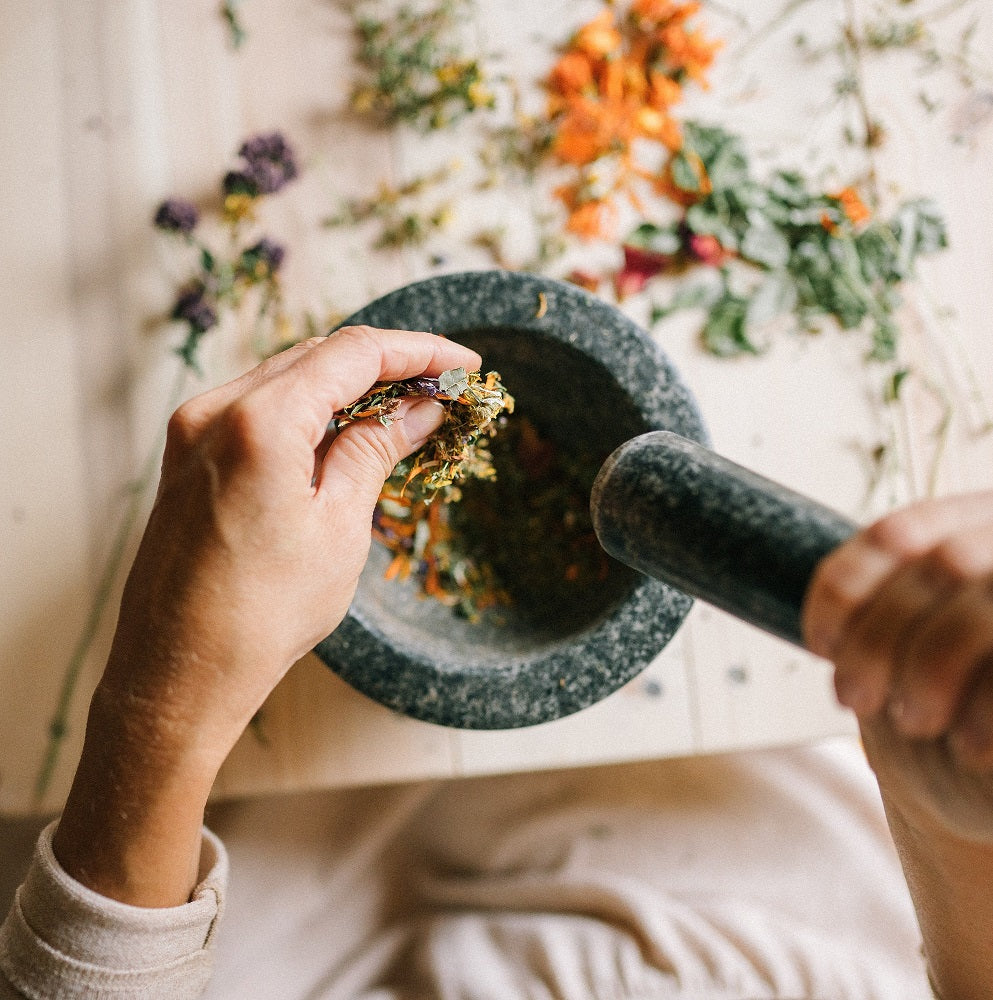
(176,216)
(707,249)
(263,259)
(639,266)
(193,308)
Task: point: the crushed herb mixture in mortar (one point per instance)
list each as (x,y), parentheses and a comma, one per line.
(464,515)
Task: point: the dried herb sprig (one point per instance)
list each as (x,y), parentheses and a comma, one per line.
(415,69)
(399,212)
(220,280)
(410,517)
(457,450)
(232,18)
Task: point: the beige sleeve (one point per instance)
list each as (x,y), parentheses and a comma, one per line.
(62,939)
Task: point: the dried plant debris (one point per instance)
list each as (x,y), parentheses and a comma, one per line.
(410,517)
(414,67)
(457,450)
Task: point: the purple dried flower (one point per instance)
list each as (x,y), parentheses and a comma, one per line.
(267,146)
(421,385)
(175,215)
(193,308)
(269,165)
(262,259)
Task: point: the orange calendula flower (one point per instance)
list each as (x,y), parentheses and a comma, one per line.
(613,90)
(853,206)
(599,37)
(573,73)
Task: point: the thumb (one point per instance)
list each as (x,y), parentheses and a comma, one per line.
(364,454)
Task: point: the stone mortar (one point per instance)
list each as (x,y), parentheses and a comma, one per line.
(579,369)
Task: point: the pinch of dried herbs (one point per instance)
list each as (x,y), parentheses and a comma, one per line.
(410,517)
(457,450)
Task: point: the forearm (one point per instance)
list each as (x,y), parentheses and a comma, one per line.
(950,881)
(131,826)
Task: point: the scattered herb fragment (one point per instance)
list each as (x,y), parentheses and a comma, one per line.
(399,211)
(236,32)
(414,68)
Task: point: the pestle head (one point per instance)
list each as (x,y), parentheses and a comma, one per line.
(680,513)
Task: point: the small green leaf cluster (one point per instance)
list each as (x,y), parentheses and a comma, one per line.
(783,249)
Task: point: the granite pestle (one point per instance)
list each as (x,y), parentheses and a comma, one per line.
(680,513)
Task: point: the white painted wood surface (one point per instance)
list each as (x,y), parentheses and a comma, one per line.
(109,106)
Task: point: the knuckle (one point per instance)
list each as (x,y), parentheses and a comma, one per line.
(370,450)
(241,435)
(361,336)
(837,585)
(184,424)
(905,532)
(953,561)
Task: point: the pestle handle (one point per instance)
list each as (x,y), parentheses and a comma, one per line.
(677,511)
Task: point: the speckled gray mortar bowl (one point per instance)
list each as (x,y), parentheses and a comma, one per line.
(579,370)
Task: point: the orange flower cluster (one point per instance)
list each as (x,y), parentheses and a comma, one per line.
(614,87)
(852,208)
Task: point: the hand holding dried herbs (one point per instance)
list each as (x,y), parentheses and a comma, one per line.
(457,450)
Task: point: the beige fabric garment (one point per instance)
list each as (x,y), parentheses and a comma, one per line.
(759,875)
(61,940)
(755,876)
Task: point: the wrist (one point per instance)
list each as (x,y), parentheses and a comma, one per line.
(132,822)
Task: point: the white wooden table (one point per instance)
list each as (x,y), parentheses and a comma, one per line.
(107,107)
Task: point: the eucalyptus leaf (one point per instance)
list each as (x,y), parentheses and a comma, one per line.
(776,296)
(725,332)
(764,244)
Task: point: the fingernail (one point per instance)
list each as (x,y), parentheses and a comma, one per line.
(421,420)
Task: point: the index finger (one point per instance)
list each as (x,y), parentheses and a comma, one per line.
(339,369)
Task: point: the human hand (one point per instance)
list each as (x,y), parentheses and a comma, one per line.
(904,609)
(260,528)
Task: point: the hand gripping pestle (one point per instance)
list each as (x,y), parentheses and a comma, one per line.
(677,511)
